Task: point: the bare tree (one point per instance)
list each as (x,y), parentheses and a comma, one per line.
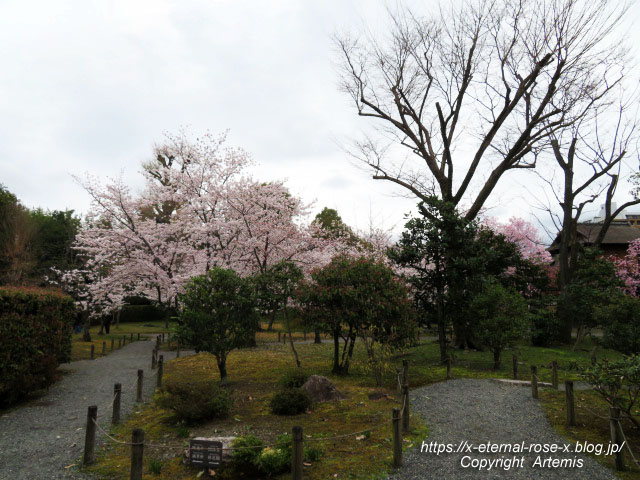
(478,89)
(592,157)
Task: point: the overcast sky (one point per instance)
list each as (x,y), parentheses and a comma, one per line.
(90,86)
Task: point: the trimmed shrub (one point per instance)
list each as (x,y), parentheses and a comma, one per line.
(35,328)
(274,461)
(195,401)
(294,378)
(291,401)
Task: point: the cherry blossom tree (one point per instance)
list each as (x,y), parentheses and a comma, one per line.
(628,269)
(198,209)
(524,235)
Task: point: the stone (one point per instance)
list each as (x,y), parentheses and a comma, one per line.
(519,383)
(377,396)
(320,389)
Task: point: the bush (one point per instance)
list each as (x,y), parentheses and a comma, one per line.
(546,328)
(195,401)
(246,457)
(273,461)
(501,318)
(621,321)
(294,378)
(618,382)
(291,401)
(35,328)
(140,313)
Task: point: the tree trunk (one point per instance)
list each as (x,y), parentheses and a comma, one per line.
(86,335)
(496,359)
(107,325)
(271,320)
(317,338)
(442,333)
(222,367)
(293,348)
(568,252)
(336,352)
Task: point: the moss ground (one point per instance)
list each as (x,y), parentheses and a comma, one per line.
(254,375)
(592,425)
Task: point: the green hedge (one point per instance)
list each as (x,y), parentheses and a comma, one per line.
(35,337)
(141,313)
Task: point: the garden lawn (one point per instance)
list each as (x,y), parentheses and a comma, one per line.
(82,350)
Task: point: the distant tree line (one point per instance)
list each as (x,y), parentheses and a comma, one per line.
(33,240)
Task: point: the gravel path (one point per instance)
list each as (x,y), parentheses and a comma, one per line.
(38,440)
(481,411)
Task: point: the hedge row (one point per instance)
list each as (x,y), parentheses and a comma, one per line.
(141,313)
(35,337)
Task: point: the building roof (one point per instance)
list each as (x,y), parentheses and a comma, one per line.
(617,234)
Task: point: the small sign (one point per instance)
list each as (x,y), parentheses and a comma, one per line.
(205,453)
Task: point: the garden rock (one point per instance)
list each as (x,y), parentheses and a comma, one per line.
(320,389)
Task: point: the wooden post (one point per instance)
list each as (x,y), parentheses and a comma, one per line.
(112,340)
(119,343)
(104,348)
(160,368)
(554,374)
(117,393)
(138,336)
(515,367)
(90,436)
(153,359)
(137,453)
(139,386)
(296,454)
(569,403)
(397,438)
(279,339)
(449,377)
(616,437)
(405,408)
(93,351)
(124,340)
(534,381)
(131,338)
